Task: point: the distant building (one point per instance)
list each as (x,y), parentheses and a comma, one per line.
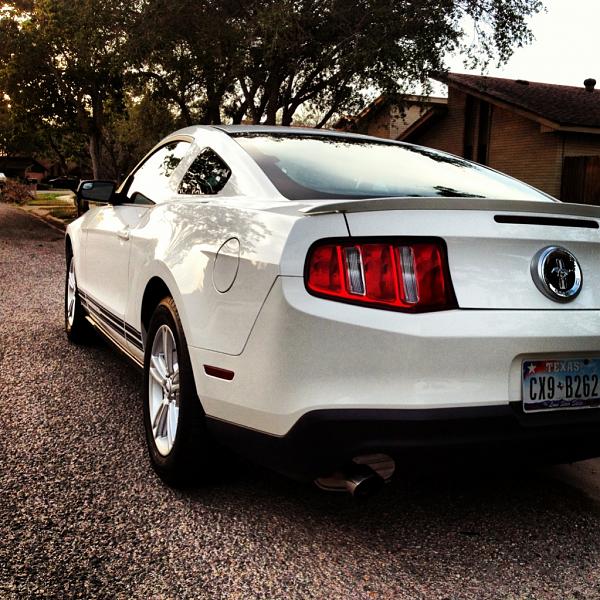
(389,116)
(547,135)
(22,167)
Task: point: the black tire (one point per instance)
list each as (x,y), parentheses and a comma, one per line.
(192,455)
(78,329)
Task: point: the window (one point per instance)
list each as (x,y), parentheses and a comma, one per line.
(469,130)
(483,139)
(315,167)
(478,116)
(138,198)
(208,174)
(151,180)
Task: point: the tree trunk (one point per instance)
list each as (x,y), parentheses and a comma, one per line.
(287,116)
(95,145)
(61,158)
(213,114)
(185,111)
(289,110)
(272,89)
(271,112)
(239,113)
(326,117)
(212,111)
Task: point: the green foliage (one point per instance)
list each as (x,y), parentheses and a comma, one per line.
(134,131)
(108,77)
(63,68)
(66,214)
(45,199)
(266,59)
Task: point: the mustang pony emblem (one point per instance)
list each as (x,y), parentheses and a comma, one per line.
(562,273)
(557,274)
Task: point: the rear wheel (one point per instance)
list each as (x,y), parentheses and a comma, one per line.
(77,327)
(178,444)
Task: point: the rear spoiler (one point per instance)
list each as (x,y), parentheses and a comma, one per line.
(444,203)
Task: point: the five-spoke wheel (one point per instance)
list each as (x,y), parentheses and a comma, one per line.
(76,325)
(163,393)
(71,293)
(178,442)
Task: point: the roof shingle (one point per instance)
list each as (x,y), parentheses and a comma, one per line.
(564,105)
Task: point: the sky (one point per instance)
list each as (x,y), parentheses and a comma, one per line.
(566,49)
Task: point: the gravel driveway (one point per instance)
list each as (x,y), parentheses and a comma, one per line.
(83,516)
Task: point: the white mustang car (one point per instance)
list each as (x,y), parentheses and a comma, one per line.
(329,304)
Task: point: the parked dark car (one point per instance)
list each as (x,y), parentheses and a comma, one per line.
(66,183)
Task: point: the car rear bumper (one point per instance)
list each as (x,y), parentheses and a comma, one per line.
(307,354)
(322,442)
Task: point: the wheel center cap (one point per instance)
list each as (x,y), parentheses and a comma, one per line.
(168,385)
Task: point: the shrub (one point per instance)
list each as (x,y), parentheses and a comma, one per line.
(16,192)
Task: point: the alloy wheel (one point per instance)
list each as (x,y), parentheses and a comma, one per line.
(71,293)
(163,393)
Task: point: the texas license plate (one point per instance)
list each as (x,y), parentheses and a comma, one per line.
(561,384)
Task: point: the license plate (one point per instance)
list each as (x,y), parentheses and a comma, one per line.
(561,384)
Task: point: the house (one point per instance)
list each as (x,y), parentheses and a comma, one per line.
(547,135)
(22,167)
(389,116)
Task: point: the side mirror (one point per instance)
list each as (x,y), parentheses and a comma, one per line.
(94,191)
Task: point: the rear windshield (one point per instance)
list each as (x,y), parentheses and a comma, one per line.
(305,167)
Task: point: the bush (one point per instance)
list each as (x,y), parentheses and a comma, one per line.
(16,192)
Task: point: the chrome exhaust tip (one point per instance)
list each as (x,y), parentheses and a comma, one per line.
(363,476)
(362,481)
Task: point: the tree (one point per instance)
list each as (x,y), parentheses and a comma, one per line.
(192,62)
(263,60)
(63,67)
(132,133)
(86,68)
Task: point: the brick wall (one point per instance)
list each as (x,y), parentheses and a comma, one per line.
(516,145)
(379,126)
(447,132)
(581,168)
(581,144)
(390,122)
(519,148)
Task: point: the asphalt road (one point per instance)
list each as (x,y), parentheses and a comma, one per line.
(83,516)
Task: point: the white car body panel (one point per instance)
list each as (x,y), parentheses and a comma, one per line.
(106,261)
(179,243)
(489,261)
(368,358)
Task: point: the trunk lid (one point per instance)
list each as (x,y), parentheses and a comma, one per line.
(492,244)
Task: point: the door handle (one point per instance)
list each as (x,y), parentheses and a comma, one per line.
(123,234)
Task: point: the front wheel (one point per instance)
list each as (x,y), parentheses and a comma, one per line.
(178,444)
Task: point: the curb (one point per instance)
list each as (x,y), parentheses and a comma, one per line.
(50,221)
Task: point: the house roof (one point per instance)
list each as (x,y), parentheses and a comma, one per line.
(426,119)
(371,110)
(558,106)
(21,163)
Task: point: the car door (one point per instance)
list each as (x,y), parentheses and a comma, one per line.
(108,232)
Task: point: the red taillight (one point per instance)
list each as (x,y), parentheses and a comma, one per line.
(407,276)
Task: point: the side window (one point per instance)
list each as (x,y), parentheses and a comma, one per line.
(138,198)
(208,174)
(151,179)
